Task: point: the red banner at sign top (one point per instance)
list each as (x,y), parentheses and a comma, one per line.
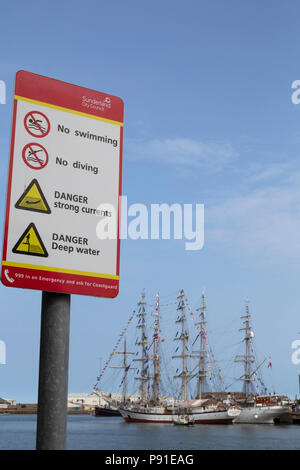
(57,93)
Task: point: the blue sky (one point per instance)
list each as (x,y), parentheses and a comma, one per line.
(208,119)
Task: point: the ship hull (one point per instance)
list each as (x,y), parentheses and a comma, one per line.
(106,412)
(260,415)
(203,417)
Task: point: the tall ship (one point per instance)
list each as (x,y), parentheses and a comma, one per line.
(110,406)
(264,409)
(151,407)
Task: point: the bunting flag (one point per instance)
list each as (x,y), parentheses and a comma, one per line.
(270,364)
(115,348)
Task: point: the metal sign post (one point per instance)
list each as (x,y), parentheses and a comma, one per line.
(53,373)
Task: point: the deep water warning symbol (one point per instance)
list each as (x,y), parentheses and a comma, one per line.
(30,243)
(33,199)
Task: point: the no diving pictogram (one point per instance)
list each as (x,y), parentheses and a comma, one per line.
(37,124)
(35,156)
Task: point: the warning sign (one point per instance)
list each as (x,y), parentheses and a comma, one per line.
(35,156)
(30,243)
(33,199)
(62,219)
(37,124)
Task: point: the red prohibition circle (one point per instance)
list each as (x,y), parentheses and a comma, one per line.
(33,160)
(41,132)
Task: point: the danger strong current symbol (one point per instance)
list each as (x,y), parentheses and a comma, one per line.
(35,156)
(37,124)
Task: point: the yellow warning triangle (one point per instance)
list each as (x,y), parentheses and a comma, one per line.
(30,243)
(33,199)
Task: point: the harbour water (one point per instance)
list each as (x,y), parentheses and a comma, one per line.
(85,432)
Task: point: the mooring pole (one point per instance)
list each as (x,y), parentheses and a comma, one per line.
(53,372)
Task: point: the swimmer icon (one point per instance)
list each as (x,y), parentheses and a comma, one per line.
(37,124)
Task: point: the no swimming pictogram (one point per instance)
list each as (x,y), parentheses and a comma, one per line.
(30,243)
(35,156)
(37,124)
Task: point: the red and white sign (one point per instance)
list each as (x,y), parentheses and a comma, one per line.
(73,136)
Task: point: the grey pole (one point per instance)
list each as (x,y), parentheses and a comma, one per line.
(53,372)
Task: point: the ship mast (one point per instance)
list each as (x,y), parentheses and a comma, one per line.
(142,343)
(156,371)
(125,367)
(202,352)
(247,358)
(183,338)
